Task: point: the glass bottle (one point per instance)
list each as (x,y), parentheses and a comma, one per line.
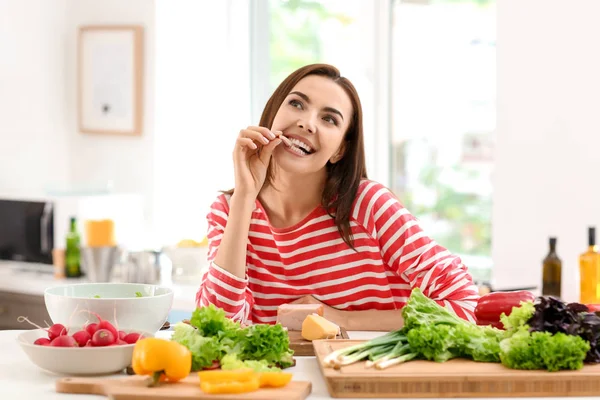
(72,253)
(552,272)
(589,266)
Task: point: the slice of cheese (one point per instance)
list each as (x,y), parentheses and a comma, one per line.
(291,316)
(316,327)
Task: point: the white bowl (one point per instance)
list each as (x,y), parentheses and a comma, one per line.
(75,360)
(117,303)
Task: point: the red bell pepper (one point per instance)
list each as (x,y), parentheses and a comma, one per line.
(593,307)
(491,306)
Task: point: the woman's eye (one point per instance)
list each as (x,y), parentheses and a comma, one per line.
(296,103)
(330,120)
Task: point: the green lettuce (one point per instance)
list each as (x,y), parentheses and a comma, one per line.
(204,349)
(266,342)
(211,321)
(543,350)
(438,334)
(230,361)
(212,336)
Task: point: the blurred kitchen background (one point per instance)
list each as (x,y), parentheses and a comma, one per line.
(481,115)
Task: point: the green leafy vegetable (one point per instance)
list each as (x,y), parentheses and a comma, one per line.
(138,294)
(438,334)
(543,350)
(97,296)
(211,321)
(518,317)
(524,348)
(267,342)
(204,350)
(430,332)
(224,339)
(230,361)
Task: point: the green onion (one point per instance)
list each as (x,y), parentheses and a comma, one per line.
(373,350)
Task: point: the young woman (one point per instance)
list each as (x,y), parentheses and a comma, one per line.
(304,224)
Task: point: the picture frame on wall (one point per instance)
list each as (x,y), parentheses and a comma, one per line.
(110,79)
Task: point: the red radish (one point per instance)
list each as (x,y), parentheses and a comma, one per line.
(89,344)
(119,342)
(56,330)
(122,335)
(82,338)
(103,337)
(109,327)
(63,341)
(42,341)
(132,337)
(91,329)
(53,331)
(104,324)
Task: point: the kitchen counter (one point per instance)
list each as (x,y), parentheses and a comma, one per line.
(15,278)
(23,380)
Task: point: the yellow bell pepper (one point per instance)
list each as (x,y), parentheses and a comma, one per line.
(163,359)
(274,379)
(237,375)
(240,381)
(234,387)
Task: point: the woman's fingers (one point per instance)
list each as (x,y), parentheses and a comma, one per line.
(266,132)
(258,137)
(267,151)
(246,142)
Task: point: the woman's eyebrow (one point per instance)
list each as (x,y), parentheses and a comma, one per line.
(328,109)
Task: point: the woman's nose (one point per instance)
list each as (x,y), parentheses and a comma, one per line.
(308,125)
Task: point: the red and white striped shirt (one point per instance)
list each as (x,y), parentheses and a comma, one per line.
(310,258)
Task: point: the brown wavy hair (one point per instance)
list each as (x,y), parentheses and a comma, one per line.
(344,176)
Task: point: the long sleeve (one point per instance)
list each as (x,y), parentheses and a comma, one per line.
(218,286)
(410,253)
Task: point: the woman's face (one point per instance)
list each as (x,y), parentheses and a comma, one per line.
(315,116)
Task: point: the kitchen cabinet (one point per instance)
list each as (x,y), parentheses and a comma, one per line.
(13,305)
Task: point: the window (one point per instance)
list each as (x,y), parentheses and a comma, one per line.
(443,121)
(425,71)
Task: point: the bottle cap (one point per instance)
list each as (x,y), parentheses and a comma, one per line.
(592,235)
(552,241)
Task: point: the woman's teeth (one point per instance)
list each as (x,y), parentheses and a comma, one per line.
(298,146)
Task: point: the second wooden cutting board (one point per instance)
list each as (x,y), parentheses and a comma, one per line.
(305,348)
(454,378)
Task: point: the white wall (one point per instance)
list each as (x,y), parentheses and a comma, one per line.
(544,183)
(98,159)
(202,102)
(33,120)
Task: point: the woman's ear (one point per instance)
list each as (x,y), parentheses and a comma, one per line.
(338,154)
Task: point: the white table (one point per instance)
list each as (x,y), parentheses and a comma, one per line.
(22,380)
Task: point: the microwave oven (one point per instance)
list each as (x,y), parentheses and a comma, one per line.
(26,230)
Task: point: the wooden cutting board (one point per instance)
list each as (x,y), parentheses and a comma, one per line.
(134,388)
(303,347)
(454,378)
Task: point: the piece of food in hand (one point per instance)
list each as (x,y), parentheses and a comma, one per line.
(316,327)
(164,360)
(291,316)
(491,306)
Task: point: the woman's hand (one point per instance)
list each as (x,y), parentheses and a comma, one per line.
(251,156)
(367,320)
(329,313)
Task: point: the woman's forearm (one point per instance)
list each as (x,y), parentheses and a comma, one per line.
(369,320)
(231,255)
